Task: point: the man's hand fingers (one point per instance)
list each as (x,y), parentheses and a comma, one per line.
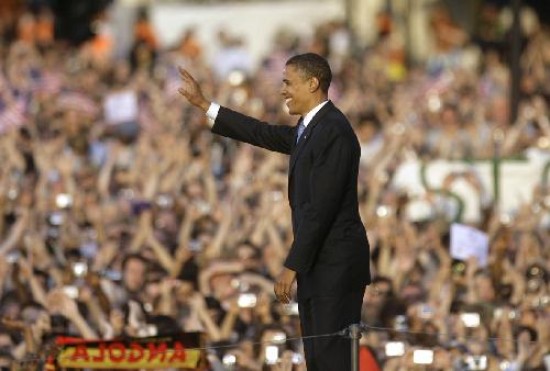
(285,298)
(283,285)
(186,75)
(182,92)
(282,292)
(183,72)
(278,291)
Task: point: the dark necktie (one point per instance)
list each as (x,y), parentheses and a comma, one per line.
(301,128)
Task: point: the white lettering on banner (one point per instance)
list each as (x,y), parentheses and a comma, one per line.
(518,179)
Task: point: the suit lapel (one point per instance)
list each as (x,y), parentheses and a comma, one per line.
(298,148)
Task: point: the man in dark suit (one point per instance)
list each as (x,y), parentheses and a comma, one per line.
(329,257)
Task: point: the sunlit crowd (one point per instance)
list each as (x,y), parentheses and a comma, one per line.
(123,216)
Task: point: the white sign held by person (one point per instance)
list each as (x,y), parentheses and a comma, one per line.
(467,241)
(120,107)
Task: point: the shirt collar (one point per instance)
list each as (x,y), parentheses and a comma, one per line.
(309,116)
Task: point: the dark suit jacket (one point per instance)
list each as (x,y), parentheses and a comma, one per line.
(330,252)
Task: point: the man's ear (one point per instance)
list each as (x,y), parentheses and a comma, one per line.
(313,84)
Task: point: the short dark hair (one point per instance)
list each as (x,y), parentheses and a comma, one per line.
(135,256)
(313,65)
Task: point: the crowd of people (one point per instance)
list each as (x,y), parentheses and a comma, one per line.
(122,216)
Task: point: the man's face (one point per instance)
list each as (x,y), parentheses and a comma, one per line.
(134,275)
(295,91)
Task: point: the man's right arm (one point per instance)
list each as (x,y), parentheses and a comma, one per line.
(235,125)
(232,124)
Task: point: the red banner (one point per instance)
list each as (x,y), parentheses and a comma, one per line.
(140,353)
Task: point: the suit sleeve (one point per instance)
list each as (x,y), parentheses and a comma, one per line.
(246,129)
(328,182)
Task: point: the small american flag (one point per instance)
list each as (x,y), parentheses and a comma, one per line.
(274,67)
(12,117)
(49,82)
(78,102)
(437,85)
(171,86)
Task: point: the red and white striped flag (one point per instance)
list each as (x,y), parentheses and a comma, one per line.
(12,117)
(171,86)
(437,85)
(49,82)
(78,102)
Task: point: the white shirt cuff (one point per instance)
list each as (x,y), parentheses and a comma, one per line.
(212,113)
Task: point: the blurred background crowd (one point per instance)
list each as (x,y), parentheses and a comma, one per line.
(122,216)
